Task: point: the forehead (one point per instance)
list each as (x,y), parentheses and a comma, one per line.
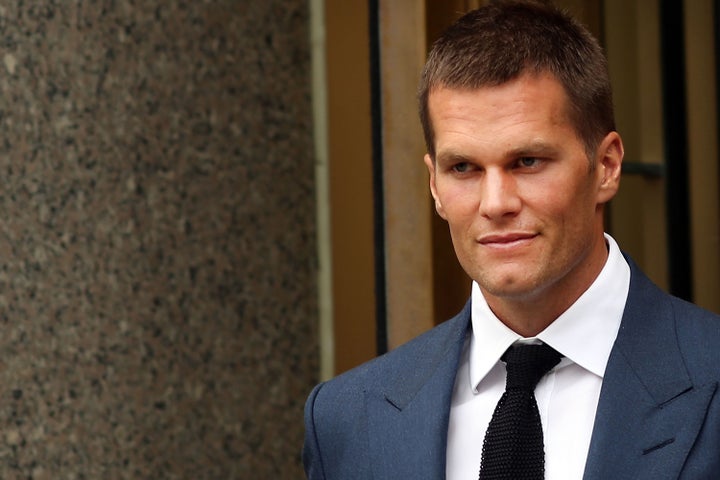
(529,105)
(532,88)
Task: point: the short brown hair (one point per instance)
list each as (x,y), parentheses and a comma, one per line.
(497,43)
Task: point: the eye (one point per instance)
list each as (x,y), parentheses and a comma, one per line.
(527,162)
(461,167)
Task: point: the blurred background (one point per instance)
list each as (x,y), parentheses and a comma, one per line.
(207,207)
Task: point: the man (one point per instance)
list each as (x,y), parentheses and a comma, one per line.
(523,155)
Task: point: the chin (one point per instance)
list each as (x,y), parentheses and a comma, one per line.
(515,293)
(517,287)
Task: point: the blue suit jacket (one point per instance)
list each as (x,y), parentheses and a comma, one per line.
(658,415)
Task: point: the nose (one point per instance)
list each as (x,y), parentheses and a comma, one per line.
(499,197)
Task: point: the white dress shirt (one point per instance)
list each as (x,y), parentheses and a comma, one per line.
(567,397)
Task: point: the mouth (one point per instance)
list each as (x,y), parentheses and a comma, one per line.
(507,240)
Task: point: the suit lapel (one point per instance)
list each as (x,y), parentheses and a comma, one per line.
(649,412)
(408,421)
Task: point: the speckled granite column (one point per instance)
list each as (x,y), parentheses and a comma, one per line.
(157,288)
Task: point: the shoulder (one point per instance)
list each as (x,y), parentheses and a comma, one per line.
(408,363)
(696,330)
(411,358)
(698,333)
(336,411)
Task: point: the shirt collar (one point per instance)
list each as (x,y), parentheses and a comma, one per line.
(584,333)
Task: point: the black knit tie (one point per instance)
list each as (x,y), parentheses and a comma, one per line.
(513,445)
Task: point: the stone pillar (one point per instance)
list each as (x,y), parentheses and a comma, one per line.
(157,239)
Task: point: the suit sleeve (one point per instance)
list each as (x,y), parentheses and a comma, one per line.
(312,459)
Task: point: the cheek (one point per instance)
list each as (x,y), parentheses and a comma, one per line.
(461,219)
(576,214)
(567,196)
(447,208)
(458,204)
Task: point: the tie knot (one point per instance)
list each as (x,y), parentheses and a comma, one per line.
(527,364)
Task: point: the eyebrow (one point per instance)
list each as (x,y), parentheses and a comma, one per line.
(531,149)
(451,157)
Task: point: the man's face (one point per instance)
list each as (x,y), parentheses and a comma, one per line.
(514,182)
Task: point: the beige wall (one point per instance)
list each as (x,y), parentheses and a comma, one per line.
(351,187)
(703,152)
(632,40)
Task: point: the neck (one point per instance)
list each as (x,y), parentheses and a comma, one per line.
(529,318)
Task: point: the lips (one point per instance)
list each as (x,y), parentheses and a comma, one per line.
(506,239)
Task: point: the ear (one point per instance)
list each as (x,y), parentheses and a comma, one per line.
(608,164)
(433,187)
